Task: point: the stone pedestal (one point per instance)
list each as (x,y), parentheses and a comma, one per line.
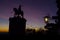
(17,26)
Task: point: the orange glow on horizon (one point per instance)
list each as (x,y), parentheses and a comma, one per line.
(4,29)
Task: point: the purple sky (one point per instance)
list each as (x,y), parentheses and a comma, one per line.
(34,10)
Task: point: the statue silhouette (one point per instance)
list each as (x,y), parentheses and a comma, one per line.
(18,11)
(17,24)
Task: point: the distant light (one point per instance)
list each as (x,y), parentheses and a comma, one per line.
(46,19)
(36,29)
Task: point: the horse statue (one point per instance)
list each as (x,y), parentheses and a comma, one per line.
(18,11)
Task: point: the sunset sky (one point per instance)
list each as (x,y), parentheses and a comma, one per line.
(34,11)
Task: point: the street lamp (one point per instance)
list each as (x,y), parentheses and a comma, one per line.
(46,19)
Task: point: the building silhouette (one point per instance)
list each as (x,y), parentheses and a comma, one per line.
(17,23)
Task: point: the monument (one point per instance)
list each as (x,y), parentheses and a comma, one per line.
(17,23)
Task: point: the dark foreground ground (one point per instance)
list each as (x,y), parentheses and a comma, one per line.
(5,36)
